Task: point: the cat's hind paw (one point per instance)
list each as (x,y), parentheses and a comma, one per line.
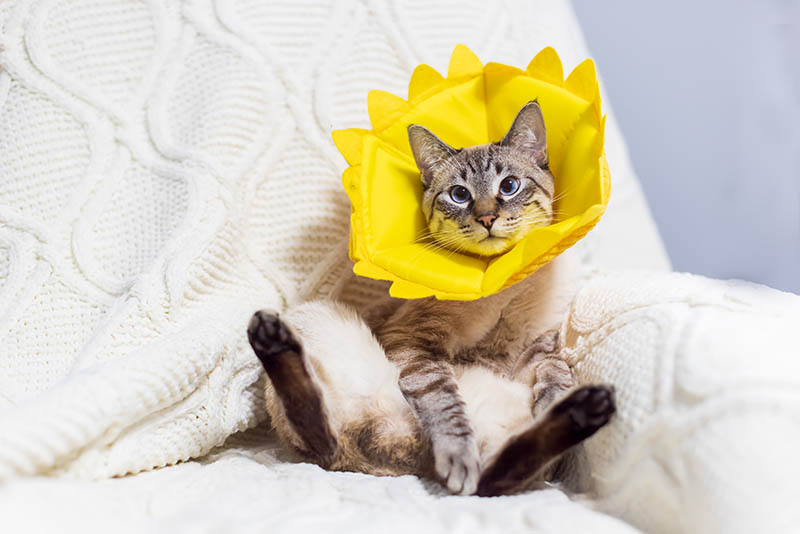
(282,357)
(588,408)
(270,336)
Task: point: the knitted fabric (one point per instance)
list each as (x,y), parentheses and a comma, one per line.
(704,440)
(166,169)
(708,394)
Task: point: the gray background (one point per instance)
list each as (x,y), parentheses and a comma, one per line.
(708,96)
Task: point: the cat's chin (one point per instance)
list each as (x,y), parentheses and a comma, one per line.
(491,246)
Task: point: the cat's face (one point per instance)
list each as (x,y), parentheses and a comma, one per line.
(484,199)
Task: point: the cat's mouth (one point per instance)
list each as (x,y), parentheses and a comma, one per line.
(490,237)
(493,240)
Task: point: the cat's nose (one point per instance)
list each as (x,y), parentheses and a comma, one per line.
(487,220)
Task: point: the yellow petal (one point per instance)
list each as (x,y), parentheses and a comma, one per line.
(582,81)
(601,142)
(449,273)
(351,180)
(370,270)
(602,132)
(384,107)
(408,290)
(349,143)
(423,79)
(463,62)
(596,102)
(606,177)
(546,65)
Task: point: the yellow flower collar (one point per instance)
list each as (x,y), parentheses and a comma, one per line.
(474,105)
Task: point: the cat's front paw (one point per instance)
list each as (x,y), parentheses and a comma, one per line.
(457,463)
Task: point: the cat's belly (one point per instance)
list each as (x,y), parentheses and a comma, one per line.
(498,407)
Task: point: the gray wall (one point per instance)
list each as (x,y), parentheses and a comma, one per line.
(707,93)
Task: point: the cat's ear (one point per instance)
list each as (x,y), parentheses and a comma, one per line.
(527,134)
(429,151)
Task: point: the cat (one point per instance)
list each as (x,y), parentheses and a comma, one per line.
(472,394)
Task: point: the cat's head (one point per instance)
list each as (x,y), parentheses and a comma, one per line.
(484,199)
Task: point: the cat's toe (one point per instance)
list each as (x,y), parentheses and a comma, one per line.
(269,335)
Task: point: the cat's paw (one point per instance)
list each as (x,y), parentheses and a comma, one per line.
(546,343)
(457,463)
(269,335)
(588,408)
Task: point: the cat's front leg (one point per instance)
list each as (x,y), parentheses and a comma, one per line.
(416,344)
(420,338)
(430,388)
(542,365)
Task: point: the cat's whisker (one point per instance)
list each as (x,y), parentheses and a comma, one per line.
(447,242)
(561,194)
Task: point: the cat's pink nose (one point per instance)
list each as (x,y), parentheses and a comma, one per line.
(487,220)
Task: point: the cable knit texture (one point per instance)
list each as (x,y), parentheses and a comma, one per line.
(708,391)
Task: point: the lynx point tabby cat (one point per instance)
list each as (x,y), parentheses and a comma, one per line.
(471,393)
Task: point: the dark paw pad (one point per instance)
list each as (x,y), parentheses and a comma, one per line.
(589,408)
(269,335)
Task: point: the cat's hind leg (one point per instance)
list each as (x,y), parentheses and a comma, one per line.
(333,395)
(525,456)
(284,361)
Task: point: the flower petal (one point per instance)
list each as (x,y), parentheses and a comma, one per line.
(605,176)
(349,143)
(351,180)
(384,108)
(423,79)
(546,66)
(582,81)
(370,270)
(408,290)
(463,62)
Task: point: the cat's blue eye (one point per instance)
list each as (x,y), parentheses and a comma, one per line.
(509,185)
(459,194)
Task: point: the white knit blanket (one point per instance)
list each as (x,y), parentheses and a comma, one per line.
(708,390)
(705,440)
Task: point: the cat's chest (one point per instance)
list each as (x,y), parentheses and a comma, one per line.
(536,305)
(503,320)
(517,326)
